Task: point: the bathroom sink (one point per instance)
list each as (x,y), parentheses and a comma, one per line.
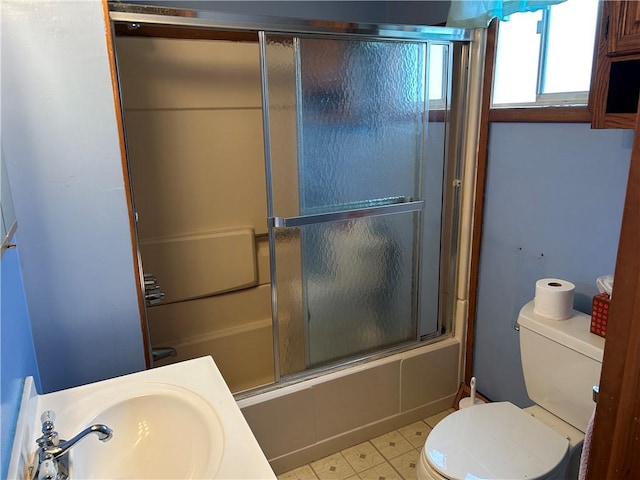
(162,433)
(179,421)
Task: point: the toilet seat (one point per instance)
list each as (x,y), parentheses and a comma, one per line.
(495,440)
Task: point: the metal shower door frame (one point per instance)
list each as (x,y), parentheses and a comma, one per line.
(467,130)
(453,164)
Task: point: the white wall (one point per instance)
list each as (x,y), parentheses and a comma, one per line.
(61,145)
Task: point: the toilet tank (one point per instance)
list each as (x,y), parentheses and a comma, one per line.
(561,362)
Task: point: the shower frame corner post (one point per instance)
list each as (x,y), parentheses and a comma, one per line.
(462,159)
(471,143)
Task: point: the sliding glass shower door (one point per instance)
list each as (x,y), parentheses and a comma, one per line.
(347,143)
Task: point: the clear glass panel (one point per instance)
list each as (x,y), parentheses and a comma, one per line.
(438,67)
(569,54)
(433,188)
(516,69)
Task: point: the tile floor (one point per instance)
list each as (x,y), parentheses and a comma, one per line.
(392,456)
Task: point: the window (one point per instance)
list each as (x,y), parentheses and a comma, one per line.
(438,54)
(545,57)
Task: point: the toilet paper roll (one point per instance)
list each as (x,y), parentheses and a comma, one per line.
(554,298)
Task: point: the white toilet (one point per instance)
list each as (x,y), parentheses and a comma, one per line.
(561,362)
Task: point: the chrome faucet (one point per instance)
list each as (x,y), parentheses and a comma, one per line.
(51,461)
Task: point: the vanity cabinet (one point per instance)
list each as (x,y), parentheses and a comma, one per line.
(615,81)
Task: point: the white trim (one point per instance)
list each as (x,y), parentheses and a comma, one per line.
(21,453)
(562,99)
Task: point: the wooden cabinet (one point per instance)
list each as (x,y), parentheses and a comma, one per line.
(615,81)
(624,27)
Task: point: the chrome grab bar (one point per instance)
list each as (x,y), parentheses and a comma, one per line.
(287,222)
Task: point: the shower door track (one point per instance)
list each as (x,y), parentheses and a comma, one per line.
(206,19)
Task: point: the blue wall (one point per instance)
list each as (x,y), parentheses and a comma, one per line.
(553,208)
(62,152)
(17,355)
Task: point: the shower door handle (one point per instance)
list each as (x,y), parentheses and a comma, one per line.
(286,222)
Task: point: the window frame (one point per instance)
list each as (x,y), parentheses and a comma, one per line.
(547,107)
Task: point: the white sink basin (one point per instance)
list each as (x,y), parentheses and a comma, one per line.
(179,422)
(161,433)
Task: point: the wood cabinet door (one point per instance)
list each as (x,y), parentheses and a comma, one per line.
(624,27)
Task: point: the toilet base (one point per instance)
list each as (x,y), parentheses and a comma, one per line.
(424,470)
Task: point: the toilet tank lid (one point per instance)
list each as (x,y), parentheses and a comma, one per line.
(572,332)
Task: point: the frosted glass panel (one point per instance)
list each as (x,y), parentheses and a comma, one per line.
(358,284)
(292,339)
(348,130)
(361,121)
(355,112)
(282,124)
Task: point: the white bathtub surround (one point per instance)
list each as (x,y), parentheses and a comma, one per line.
(209,263)
(230,326)
(300,423)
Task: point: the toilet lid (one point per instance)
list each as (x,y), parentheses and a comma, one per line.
(494,440)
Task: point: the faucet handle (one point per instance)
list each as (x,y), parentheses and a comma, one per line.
(49,435)
(48,416)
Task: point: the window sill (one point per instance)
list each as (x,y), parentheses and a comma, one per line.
(569,114)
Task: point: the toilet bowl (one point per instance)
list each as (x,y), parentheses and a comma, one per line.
(498,440)
(561,362)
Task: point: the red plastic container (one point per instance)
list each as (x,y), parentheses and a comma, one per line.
(600,314)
